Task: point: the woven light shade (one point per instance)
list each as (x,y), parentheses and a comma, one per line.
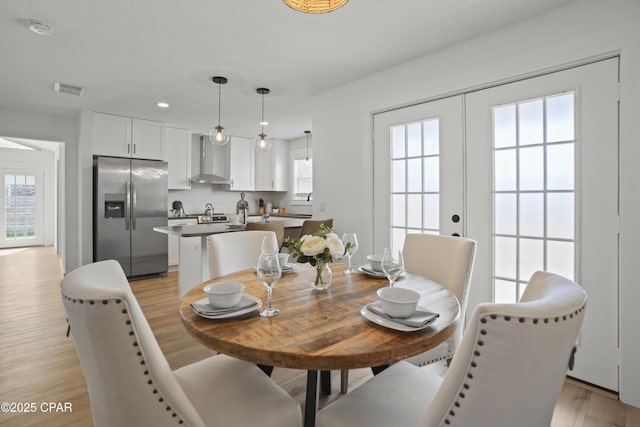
(315,6)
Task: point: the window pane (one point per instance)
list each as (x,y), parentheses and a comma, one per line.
(505,170)
(414,175)
(560,167)
(560,118)
(505,257)
(432,174)
(531,257)
(505,214)
(530,120)
(431,130)
(531,169)
(560,215)
(532,214)
(560,258)
(414,139)
(397,183)
(504,292)
(397,142)
(414,210)
(397,237)
(504,126)
(398,210)
(432,211)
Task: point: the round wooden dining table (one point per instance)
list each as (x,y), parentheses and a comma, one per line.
(320,331)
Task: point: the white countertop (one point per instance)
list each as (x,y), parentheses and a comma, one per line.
(207,229)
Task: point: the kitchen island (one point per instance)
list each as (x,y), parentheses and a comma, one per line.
(193,266)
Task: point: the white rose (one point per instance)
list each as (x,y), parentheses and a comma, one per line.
(312,245)
(335,245)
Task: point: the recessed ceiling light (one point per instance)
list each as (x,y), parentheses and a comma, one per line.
(162,105)
(40,28)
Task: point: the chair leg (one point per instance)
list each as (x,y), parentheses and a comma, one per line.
(344,381)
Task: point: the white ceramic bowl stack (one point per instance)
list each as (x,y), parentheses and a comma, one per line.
(375,261)
(398,302)
(224,294)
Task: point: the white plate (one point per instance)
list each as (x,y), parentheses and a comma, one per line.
(366,269)
(235,226)
(257,304)
(289,268)
(382,321)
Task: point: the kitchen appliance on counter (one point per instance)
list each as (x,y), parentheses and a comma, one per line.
(130,198)
(214,218)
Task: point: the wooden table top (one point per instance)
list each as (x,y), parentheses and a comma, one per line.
(321,331)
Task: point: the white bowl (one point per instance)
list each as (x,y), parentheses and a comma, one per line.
(375,261)
(283,259)
(224,294)
(398,302)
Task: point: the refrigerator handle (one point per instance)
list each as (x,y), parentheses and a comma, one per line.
(127,187)
(133,201)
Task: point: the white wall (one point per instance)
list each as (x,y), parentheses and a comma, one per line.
(23,124)
(584,29)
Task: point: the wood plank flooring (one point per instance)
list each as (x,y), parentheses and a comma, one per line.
(38,363)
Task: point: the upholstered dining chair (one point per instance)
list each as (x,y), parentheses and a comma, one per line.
(231,252)
(129,380)
(508,370)
(310,226)
(447,260)
(276,226)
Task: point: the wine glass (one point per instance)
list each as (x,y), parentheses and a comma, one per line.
(350,240)
(392,264)
(270,245)
(269,272)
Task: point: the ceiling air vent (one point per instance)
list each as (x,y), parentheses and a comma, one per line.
(68,89)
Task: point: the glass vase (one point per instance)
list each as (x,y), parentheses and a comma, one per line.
(320,276)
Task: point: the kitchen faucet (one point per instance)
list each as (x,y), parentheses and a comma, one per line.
(309,197)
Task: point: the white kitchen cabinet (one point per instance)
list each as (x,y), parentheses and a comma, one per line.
(264,169)
(178,145)
(280,166)
(241,164)
(121,136)
(271,167)
(174,241)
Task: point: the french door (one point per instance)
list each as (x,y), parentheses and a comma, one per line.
(535,182)
(21,208)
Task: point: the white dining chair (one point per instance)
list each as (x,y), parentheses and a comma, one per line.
(508,370)
(447,260)
(231,252)
(129,380)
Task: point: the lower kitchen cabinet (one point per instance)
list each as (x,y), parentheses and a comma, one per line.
(174,241)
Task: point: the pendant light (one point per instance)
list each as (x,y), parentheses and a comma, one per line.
(315,6)
(308,132)
(217,135)
(261,141)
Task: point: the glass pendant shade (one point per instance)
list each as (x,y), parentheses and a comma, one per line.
(217,135)
(262,142)
(315,6)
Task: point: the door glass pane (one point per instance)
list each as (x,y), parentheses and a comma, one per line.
(414,210)
(504,126)
(504,292)
(431,129)
(414,139)
(505,257)
(505,214)
(531,168)
(505,170)
(560,167)
(532,214)
(397,142)
(19,207)
(560,258)
(414,175)
(398,182)
(531,258)
(531,126)
(398,210)
(560,118)
(560,221)
(432,174)
(431,211)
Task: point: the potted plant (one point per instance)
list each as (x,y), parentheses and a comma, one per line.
(275,208)
(178,210)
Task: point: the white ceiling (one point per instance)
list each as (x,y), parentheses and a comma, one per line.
(130,54)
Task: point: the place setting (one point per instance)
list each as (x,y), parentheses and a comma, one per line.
(398,309)
(225,300)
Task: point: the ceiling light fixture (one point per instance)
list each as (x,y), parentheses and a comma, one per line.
(218,137)
(308,132)
(315,6)
(163,104)
(261,141)
(40,28)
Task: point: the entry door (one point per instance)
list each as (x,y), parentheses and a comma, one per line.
(542,194)
(21,208)
(418,172)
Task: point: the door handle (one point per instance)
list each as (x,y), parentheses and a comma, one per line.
(133,202)
(127,188)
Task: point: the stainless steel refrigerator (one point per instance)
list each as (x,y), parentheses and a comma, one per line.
(130,198)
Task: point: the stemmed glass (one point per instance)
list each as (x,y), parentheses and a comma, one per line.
(350,240)
(269,272)
(269,245)
(392,264)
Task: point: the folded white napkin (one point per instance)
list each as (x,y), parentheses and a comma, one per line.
(421,317)
(203,307)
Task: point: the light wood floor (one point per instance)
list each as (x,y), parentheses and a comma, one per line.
(39,364)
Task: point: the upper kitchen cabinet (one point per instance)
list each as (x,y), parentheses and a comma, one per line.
(241,164)
(271,167)
(178,143)
(128,137)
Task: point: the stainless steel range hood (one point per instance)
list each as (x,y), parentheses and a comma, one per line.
(212,164)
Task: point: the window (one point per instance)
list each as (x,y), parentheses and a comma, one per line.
(302,180)
(19,207)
